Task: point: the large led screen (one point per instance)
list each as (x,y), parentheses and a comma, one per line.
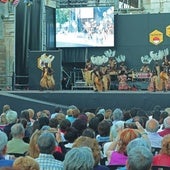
(85,27)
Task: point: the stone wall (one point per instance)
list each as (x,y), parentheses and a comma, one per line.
(7,36)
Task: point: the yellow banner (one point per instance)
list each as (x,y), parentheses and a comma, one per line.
(156,37)
(168,30)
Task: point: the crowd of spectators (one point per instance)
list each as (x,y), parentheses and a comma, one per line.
(88,140)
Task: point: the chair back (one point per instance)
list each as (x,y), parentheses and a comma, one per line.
(115,167)
(160,168)
(155,151)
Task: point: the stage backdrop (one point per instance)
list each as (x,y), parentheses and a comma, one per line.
(36,60)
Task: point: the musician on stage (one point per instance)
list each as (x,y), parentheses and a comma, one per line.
(123,68)
(165,73)
(88,65)
(164,77)
(155,81)
(87,72)
(145,69)
(112,66)
(122,78)
(166,64)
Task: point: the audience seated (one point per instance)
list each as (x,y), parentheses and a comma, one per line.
(60,117)
(84,131)
(89,133)
(76,112)
(114,131)
(46,144)
(79,158)
(80,125)
(132,144)
(47,113)
(3,121)
(56,111)
(31,115)
(63,126)
(69,115)
(139,158)
(107,114)
(163,115)
(90,115)
(71,135)
(163,158)
(5,108)
(11,117)
(33,149)
(16,145)
(93,124)
(26,163)
(116,152)
(103,131)
(166,129)
(44,120)
(156,112)
(3,147)
(25,114)
(152,126)
(93,144)
(117,115)
(138,142)
(167,110)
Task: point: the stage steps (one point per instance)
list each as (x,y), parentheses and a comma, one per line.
(81,85)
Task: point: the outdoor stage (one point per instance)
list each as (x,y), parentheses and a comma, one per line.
(83,99)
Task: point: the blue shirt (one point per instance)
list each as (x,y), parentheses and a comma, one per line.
(4,162)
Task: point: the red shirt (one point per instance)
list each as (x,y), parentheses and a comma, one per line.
(161,159)
(164,132)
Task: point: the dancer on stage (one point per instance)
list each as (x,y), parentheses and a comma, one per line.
(97,79)
(47,81)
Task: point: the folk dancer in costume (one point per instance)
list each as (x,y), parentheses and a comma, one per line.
(112,66)
(122,78)
(97,79)
(105,78)
(99,76)
(145,69)
(165,73)
(161,76)
(164,77)
(112,63)
(47,80)
(87,73)
(155,81)
(121,61)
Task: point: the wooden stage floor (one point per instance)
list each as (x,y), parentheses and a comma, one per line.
(83,99)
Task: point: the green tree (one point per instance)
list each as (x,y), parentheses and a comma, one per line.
(62,16)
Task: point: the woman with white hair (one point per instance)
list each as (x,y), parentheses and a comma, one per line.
(166,129)
(79,158)
(11,117)
(3,145)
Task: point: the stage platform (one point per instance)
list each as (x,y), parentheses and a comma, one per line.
(83,99)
